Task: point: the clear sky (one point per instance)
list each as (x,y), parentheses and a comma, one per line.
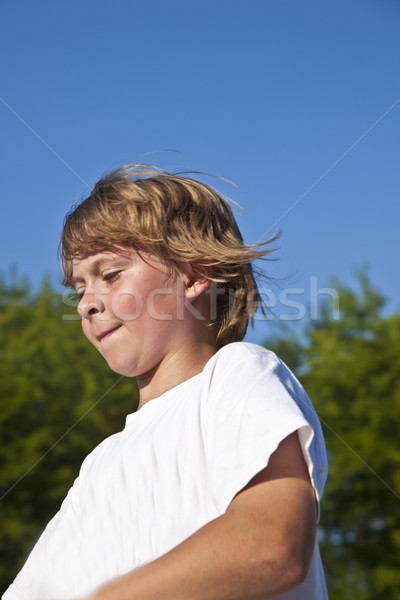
(296,102)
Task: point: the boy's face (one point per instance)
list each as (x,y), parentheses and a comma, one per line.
(131,309)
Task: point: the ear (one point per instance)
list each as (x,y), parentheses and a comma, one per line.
(195,284)
(198,287)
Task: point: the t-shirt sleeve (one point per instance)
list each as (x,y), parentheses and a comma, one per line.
(254,403)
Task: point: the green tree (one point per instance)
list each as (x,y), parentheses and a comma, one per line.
(58,399)
(351,370)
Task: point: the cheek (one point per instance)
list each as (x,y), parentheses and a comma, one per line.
(127,306)
(162,304)
(157,302)
(86,330)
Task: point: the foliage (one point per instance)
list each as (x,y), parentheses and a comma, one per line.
(58,399)
(351,370)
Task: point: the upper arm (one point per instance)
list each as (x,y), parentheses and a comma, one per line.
(279,503)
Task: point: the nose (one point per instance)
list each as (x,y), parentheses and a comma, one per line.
(90,304)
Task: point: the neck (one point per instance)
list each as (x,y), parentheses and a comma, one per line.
(185,363)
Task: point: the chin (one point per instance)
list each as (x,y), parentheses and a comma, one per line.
(124,371)
(120,368)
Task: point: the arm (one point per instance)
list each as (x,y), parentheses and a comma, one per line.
(260,548)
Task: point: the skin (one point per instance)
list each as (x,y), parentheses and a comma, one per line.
(146,325)
(143,321)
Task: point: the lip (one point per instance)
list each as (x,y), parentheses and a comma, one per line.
(107,333)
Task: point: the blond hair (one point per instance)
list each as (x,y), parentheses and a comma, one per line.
(178,219)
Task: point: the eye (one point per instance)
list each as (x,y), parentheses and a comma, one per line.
(79,294)
(110,277)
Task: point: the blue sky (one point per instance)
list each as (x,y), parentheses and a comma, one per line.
(298,103)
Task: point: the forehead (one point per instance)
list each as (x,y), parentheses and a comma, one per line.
(90,264)
(88,260)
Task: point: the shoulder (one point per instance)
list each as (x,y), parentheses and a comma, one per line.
(244,350)
(250,366)
(253,402)
(244,377)
(243,355)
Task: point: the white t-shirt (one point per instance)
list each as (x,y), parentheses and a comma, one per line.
(178,463)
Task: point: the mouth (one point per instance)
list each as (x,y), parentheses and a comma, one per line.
(105,334)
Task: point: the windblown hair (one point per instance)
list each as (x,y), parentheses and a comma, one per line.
(179,220)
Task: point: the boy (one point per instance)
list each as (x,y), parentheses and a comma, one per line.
(212,489)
